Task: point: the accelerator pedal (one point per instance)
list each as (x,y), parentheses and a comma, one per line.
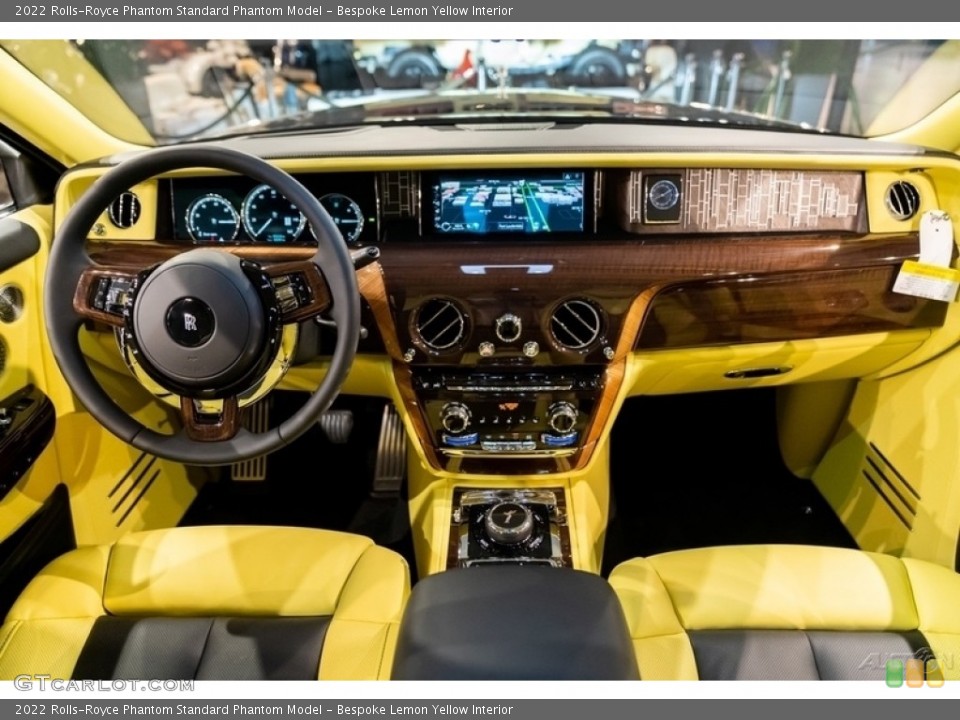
(384,515)
(391,467)
(255,418)
(337,425)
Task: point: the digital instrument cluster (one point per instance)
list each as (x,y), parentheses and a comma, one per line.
(232,211)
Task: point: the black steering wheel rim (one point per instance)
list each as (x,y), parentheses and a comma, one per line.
(68,259)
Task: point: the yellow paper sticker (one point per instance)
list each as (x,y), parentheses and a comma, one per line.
(928,281)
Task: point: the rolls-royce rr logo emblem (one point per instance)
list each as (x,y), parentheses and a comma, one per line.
(190,322)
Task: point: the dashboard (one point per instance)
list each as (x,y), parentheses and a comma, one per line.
(572,203)
(529,280)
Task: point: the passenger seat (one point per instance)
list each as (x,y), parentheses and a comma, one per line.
(212,603)
(787,612)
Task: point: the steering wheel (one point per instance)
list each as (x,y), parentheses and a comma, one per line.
(205,324)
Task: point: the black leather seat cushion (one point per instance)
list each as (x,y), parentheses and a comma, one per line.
(801,655)
(183,648)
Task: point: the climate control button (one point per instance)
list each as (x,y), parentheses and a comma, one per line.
(455,417)
(562,417)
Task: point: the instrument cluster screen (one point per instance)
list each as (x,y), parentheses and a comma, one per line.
(523,203)
(234,210)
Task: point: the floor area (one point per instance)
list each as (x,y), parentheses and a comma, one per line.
(686,471)
(313,483)
(705,469)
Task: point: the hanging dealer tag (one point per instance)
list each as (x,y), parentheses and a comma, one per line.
(931,276)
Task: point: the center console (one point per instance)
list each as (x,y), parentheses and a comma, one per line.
(509,526)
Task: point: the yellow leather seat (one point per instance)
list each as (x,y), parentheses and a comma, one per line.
(788,612)
(225,602)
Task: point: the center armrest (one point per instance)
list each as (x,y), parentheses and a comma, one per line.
(509,622)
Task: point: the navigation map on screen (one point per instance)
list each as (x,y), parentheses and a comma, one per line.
(540,203)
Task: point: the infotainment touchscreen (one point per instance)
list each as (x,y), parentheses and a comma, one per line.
(508,202)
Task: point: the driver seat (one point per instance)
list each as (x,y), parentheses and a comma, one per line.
(211,603)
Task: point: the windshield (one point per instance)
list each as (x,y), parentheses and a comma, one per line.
(165,91)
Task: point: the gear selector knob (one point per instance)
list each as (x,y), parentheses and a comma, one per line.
(509,523)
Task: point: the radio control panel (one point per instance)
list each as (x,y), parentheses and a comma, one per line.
(508,413)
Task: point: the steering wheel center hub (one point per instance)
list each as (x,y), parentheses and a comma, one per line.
(190,322)
(205,324)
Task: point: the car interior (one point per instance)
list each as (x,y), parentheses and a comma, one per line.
(482,380)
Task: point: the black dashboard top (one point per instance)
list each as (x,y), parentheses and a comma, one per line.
(575,138)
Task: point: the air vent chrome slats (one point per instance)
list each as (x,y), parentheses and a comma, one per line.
(902,200)
(124,211)
(576,324)
(440,324)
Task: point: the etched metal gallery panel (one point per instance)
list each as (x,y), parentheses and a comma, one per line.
(719,200)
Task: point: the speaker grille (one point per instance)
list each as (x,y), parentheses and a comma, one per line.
(11,303)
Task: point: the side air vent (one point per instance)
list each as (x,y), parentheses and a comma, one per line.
(125,210)
(440,324)
(903,200)
(576,324)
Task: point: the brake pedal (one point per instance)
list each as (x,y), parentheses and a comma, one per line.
(337,425)
(255,418)
(391,466)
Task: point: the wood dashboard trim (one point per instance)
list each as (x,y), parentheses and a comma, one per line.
(628,275)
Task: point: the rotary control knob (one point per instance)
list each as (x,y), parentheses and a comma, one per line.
(562,417)
(509,523)
(455,417)
(508,327)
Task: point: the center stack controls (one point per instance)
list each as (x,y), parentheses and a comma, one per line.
(508,413)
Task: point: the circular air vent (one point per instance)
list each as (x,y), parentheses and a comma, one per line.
(440,324)
(576,324)
(903,200)
(125,210)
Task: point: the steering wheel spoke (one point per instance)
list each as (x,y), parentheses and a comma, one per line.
(204,422)
(302,291)
(102,294)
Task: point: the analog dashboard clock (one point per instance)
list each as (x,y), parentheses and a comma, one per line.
(662,198)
